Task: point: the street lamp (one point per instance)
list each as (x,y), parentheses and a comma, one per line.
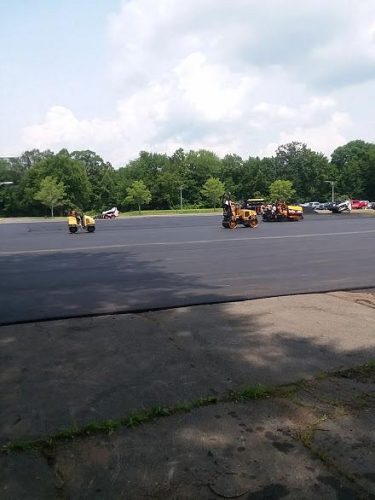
(180,188)
(332,188)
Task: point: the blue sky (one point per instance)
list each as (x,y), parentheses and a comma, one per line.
(52,52)
(242,76)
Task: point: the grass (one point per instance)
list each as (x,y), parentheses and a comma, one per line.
(250,392)
(307,435)
(360,372)
(135,419)
(185,211)
(36,217)
(135,213)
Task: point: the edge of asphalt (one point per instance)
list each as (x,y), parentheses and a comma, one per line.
(140,310)
(30,220)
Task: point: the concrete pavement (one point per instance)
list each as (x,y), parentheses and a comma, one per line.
(107,367)
(316,443)
(300,444)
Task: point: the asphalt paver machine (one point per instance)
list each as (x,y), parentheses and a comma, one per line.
(280,211)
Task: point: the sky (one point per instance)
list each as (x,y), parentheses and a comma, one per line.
(231,76)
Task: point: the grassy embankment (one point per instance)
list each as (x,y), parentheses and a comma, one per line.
(188,211)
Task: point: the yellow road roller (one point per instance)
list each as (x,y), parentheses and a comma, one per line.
(77,221)
(235,213)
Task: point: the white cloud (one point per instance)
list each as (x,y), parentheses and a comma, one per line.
(237,77)
(61,128)
(323,137)
(213,91)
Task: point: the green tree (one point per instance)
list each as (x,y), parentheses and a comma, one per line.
(138,194)
(199,166)
(168,186)
(257,175)
(370,174)
(51,193)
(307,169)
(213,189)
(352,150)
(175,176)
(148,167)
(282,190)
(70,172)
(354,164)
(12,198)
(232,169)
(102,179)
(30,158)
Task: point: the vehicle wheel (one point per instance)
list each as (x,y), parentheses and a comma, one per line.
(73,229)
(232,224)
(225,224)
(253,223)
(91,229)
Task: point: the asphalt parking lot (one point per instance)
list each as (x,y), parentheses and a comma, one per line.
(169,403)
(159,262)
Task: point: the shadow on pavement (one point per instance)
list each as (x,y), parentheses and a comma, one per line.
(62,374)
(89,283)
(66,373)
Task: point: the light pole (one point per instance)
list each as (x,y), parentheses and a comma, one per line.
(332,189)
(181,196)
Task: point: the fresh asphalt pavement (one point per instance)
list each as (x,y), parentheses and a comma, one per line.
(159,262)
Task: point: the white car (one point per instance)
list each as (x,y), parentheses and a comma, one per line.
(311,204)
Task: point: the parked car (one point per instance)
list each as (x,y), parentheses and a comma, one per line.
(311,204)
(340,206)
(359,204)
(325,206)
(329,205)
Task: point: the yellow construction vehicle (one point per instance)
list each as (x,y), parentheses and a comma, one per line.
(280,211)
(256,204)
(236,213)
(79,221)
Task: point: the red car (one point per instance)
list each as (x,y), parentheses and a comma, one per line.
(358,204)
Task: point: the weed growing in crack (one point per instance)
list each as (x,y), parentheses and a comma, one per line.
(248,393)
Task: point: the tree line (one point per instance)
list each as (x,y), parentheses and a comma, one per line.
(43,180)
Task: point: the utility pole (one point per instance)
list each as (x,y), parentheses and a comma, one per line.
(332,189)
(181,197)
